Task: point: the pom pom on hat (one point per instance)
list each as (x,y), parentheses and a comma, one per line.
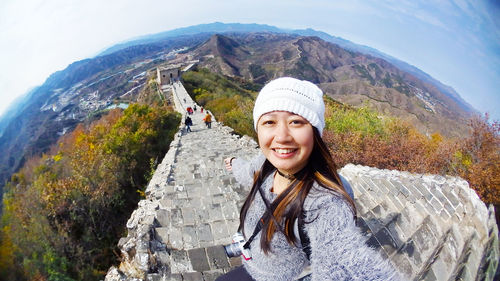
(289,94)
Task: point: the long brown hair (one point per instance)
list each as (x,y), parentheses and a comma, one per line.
(288,206)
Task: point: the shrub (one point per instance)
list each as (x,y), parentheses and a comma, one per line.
(62,221)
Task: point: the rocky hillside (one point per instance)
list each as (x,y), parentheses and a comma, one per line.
(346,76)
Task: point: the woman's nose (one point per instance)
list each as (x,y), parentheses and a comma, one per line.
(282,133)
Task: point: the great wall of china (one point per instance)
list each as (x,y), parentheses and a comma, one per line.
(430,227)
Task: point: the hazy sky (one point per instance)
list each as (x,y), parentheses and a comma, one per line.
(456,42)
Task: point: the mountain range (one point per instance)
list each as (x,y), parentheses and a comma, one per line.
(353,74)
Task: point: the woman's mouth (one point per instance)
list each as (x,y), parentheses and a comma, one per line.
(284,151)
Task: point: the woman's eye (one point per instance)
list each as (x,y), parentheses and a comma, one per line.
(267,122)
(297,122)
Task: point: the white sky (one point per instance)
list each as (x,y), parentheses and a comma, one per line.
(456,42)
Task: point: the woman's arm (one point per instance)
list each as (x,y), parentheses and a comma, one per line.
(339,250)
(244,170)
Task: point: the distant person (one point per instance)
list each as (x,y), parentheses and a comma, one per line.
(194,107)
(188,122)
(201,109)
(189,110)
(298,221)
(208,120)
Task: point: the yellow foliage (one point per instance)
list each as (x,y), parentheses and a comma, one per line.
(57,157)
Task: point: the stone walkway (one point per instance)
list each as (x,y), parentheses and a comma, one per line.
(204,198)
(192,206)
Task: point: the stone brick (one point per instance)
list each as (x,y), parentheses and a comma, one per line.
(176,217)
(373,222)
(163,217)
(360,208)
(219,230)
(395,201)
(395,232)
(165,203)
(190,239)
(232,225)
(413,190)
(174,277)
(148,220)
(212,274)
(381,185)
(449,208)
(429,276)
(178,203)
(450,195)
(215,212)
(179,262)
(162,234)
(192,276)
(386,240)
(199,259)
(366,201)
(194,192)
(175,238)
(204,233)
(233,262)
(424,240)
(388,184)
(443,265)
(436,205)
(405,191)
(229,210)
(397,187)
(182,195)
(402,264)
(360,222)
(444,214)
(217,257)
(413,254)
(424,190)
(162,257)
(188,216)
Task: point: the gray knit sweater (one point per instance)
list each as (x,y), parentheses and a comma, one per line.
(339,251)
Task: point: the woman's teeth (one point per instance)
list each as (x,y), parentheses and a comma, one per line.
(284,150)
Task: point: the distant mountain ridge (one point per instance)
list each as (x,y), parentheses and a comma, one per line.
(218,27)
(347,76)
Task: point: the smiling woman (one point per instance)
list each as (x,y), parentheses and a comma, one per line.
(301,224)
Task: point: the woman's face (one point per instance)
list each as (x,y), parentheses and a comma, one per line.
(286,139)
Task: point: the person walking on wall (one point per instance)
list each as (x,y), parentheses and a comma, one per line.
(298,220)
(188,122)
(208,120)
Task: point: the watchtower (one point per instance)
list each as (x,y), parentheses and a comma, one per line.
(168,74)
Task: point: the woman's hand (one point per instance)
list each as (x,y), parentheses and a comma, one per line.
(228,161)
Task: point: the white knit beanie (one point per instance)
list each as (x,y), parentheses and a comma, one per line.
(289,94)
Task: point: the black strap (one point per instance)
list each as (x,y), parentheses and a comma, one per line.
(304,239)
(259,225)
